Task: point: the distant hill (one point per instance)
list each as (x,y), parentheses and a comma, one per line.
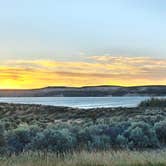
(96,91)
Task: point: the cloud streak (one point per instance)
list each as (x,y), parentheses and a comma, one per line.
(111,70)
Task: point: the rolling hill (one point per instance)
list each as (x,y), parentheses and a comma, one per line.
(96,91)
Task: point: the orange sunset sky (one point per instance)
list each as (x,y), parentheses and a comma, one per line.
(97,70)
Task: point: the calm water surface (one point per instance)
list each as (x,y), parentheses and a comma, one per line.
(80,102)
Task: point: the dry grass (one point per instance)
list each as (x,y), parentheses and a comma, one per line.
(109,158)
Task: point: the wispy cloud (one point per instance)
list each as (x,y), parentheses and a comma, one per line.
(119,70)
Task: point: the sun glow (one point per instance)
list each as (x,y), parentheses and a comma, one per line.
(9,84)
(103,70)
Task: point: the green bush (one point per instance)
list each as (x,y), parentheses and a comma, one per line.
(121,141)
(53,141)
(65,138)
(101,142)
(141,135)
(160,128)
(19,138)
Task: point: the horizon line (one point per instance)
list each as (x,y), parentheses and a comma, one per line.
(79,87)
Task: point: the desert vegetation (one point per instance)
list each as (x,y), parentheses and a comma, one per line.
(91,137)
(72,134)
(26,128)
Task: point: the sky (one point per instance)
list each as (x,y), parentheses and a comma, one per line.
(82,43)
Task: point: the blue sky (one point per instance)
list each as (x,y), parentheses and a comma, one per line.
(72,30)
(82,42)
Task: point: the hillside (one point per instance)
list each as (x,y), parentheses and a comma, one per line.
(63,130)
(87,91)
(14,114)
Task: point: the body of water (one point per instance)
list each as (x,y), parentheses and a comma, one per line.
(79,102)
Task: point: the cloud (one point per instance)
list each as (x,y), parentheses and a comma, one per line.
(119,70)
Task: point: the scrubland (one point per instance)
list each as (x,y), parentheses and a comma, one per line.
(45,135)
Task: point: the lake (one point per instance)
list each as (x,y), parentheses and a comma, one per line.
(79,102)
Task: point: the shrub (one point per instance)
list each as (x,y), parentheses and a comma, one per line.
(19,138)
(65,138)
(101,142)
(121,141)
(141,135)
(160,128)
(53,141)
(87,133)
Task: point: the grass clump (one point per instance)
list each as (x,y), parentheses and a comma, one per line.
(84,158)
